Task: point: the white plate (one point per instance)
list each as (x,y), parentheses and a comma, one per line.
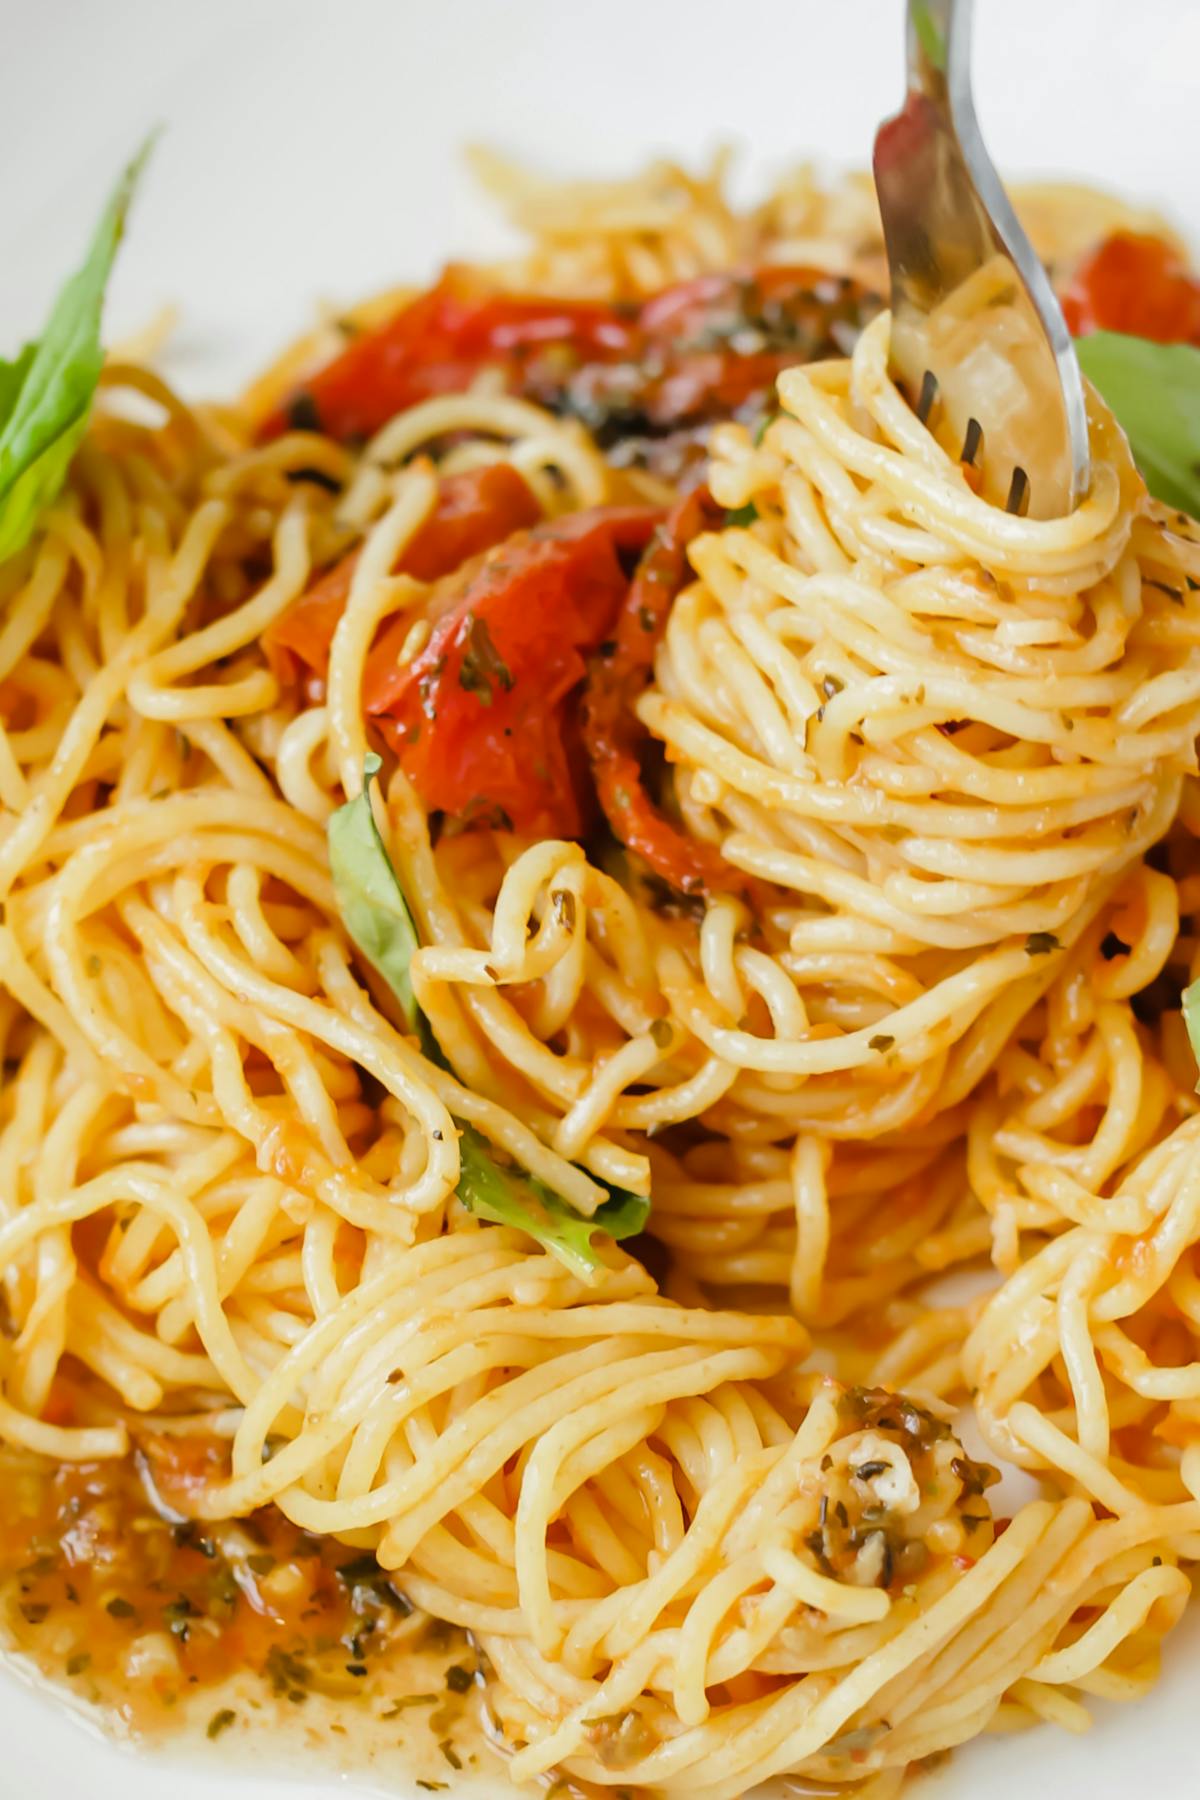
(311,151)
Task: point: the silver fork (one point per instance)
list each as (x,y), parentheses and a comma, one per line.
(979,342)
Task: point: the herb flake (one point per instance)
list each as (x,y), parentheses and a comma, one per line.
(482,664)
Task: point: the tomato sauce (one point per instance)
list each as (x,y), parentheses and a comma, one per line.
(161,1623)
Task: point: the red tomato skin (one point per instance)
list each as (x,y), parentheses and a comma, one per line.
(1134,283)
(474,511)
(481,718)
(612,732)
(437,344)
(682,345)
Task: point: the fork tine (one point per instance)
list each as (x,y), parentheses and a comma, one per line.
(972,308)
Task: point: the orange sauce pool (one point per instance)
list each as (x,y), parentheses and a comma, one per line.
(161,1623)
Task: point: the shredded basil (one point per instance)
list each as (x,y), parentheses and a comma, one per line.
(482,667)
(377,917)
(407,1700)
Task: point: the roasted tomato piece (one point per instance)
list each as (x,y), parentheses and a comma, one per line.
(612,734)
(709,348)
(695,352)
(482,718)
(474,510)
(437,345)
(1138,284)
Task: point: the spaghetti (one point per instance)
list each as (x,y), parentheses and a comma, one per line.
(714,1524)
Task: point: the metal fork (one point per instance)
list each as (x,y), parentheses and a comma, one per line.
(979,342)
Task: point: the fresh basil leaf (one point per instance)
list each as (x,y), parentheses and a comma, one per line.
(1191,1018)
(377,917)
(12,379)
(369,896)
(929,35)
(1154,392)
(509,1197)
(46,393)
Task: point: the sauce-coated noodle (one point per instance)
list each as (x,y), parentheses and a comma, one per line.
(953,753)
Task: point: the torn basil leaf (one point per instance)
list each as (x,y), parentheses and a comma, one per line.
(1154,392)
(369,896)
(46,393)
(376,915)
(510,1197)
(1191,1018)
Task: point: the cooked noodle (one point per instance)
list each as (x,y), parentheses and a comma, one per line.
(941,744)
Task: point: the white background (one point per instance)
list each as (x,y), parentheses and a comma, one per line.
(311,147)
(311,152)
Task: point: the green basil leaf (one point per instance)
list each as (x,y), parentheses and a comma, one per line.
(509,1197)
(370,898)
(46,393)
(376,915)
(1191,1018)
(1154,391)
(929,35)
(12,379)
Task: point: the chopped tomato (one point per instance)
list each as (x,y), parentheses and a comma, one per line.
(1137,284)
(694,352)
(724,339)
(474,510)
(611,731)
(437,345)
(482,718)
